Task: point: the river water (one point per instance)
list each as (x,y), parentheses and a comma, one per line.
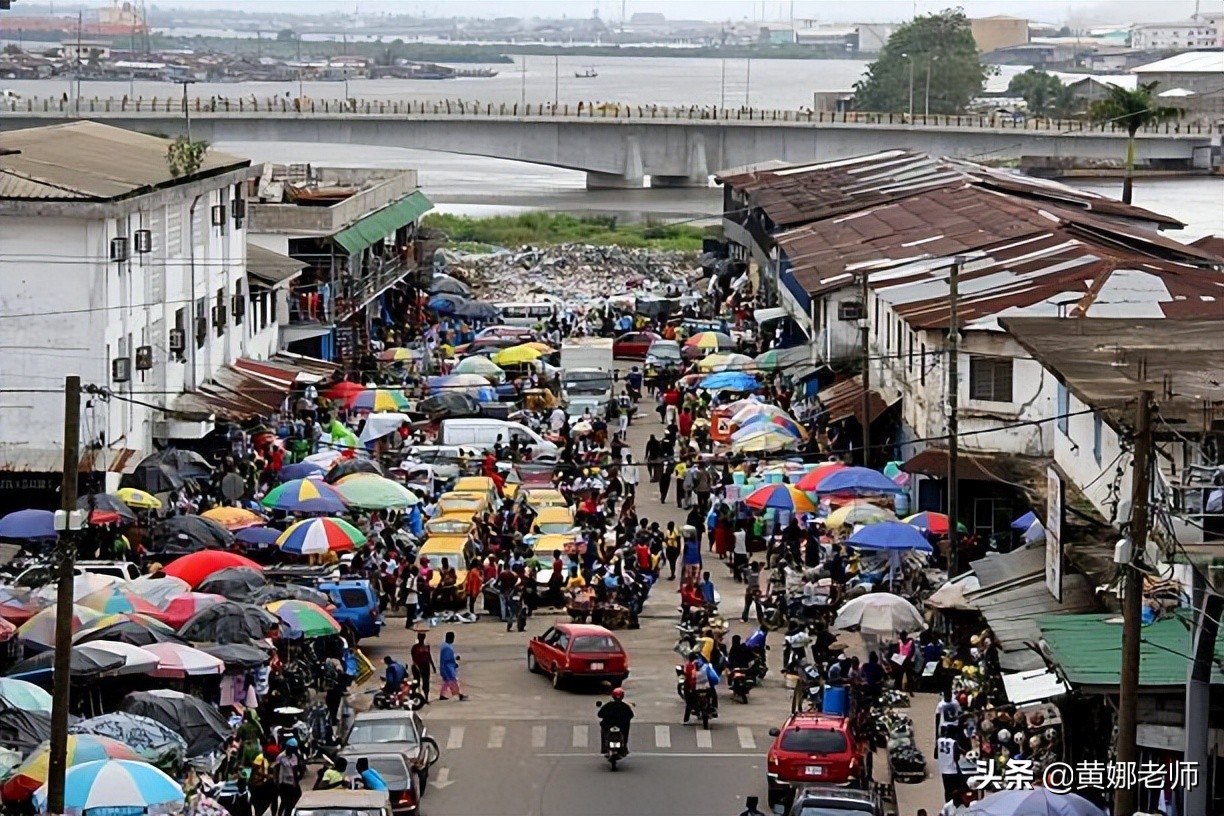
(475,185)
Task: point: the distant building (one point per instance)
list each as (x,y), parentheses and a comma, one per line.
(1183,35)
(1197,76)
(1000,31)
(832,37)
(777,34)
(873,36)
(1108,58)
(1040,55)
(83,50)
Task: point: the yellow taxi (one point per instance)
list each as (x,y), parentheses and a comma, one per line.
(478,484)
(444,538)
(554,521)
(465,504)
(538,498)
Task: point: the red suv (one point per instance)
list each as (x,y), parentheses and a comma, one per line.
(814,749)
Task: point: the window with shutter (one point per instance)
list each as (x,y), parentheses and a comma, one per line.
(990,379)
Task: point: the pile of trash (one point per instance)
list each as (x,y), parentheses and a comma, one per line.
(569,272)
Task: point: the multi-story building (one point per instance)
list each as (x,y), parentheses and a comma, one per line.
(1182,35)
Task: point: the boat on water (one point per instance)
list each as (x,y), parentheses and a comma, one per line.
(586,73)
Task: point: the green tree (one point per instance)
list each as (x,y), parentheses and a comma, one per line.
(1132,110)
(286,35)
(935,46)
(1045,94)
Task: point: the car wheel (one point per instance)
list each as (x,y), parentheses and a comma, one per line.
(432,752)
(532,665)
(557,679)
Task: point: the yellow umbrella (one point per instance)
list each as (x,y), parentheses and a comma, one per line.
(517,354)
(543,348)
(769,438)
(138,499)
(725,361)
(234,518)
(857,513)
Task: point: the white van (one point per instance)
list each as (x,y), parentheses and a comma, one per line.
(526,314)
(482,432)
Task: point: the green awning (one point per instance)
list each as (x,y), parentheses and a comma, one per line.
(1088,649)
(382,223)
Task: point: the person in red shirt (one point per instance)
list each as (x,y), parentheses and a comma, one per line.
(642,551)
(685,423)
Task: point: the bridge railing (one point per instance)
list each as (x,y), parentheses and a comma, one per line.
(253,105)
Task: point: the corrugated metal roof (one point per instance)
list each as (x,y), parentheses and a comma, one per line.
(1191,62)
(90,161)
(844,399)
(1025,562)
(1012,611)
(271,267)
(802,193)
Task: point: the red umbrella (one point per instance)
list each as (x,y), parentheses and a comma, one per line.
(196,567)
(812,479)
(344,391)
(182,608)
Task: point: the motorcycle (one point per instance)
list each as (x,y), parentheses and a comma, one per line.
(408,697)
(613,748)
(704,705)
(740,682)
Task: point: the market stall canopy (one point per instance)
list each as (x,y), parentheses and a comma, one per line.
(880,613)
(229,622)
(22,729)
(23,694)
(449,404)
(300,470)
(40,629)
(811,480)
(304,619)
(33,773)
(136,659)
(858,512)
(106,508)
(196,567)
(857,481)
(83,585)
(156,743)
(184,607)
(736,381)
(177,660)
(380,400)
(128,629)
(28,525)
(84,661)
(889,535)
(780,497)
(198,722)
(369,492)
(233,518)
(118,600)
(283,592)
(234,583)
(158,590)
(320,535)
(304,496)
(138,499)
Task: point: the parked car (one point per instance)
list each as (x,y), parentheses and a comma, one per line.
(829,801)
(572,651)
(43,574)
(343,802)
(356,606)
(633,345)
(662,355)
(812,748)
(396,768)
(392,735)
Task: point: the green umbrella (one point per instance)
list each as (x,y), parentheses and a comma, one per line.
(769,361)
(368,491)
(479,365)
(304,618)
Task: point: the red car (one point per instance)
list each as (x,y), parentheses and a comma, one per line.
(570,651)
(814,749)
(632,345)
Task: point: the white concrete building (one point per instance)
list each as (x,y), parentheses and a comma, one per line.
(131,278)
(1182,35)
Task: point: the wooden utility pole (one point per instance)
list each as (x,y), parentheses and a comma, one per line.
(66,545)
(953,351)
(864,335)
(1125,800)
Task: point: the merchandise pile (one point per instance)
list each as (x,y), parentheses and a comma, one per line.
(570,272)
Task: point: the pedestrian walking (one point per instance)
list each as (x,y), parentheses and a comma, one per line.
(665,480)
(630,476)
(671,548)
(422,663)
(288,770)
(448,669)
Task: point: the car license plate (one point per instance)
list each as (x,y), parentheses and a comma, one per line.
(597,667)
(813,770)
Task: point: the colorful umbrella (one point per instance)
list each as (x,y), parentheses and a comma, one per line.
(710,340)
(138,630)
(369,492)
(764,438)
(84,660)
(890,535)
(195,567)
(138,499)
(782,420)
(40,629)
(399,355)
(300,470)
(744,410)
(730,381)
(157,591)
(858,481)
(304,496)
(116,600)
(20,694)
(380,400)
(812,479)
(155,743)
(936,523)
(517,355)
(780,497)
(258,537)
(344,391)
(770,360)
(136,660)
(234,518)
(28,525)
(229,622)
(321,535)
(480,366)
(725,361)
(177,660)
(120,784)
(106,508)
(304,619)
(761,427)
(857,513)
(86,583)
(183,608)
(19,605)
(32,774)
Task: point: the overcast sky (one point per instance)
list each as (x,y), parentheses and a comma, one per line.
(1094,11)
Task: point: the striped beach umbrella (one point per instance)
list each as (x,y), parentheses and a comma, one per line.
(780,497)
(710,340)
(121,785)
(369,492)
(379,400)
(320,535)
(117,600)
(32,774)
(304,496)
(40,629)
(304,619)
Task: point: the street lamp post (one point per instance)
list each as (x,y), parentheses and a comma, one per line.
(927,106)
(911,84)
(186,107)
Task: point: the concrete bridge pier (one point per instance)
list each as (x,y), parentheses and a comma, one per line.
(696,168)
(631,177)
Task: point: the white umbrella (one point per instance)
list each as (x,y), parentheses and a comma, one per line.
(158,591)
(880,613)
(84,584)
(177,660)
(139,660)
(1034,802)
(952,594)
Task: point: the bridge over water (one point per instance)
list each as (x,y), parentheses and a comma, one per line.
(618,146)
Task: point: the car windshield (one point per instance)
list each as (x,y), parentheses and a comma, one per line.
(338,811)
(365,733)
(556,528)
(813,741)
(665,351)
(448,526)
(460,505)
(834,810)
(435,559)
(595,643)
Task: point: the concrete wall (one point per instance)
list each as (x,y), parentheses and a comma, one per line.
(291,218)
(79,310)
(619,151)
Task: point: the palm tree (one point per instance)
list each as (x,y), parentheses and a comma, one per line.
(1133,110)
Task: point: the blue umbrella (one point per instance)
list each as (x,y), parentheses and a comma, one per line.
(258,536)
(858,481)
(444,304)
(730,381)
(889,535)
(28,525)
(300,470)
(116,785)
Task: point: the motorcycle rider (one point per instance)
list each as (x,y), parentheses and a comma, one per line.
(394,678)
(740,656)
(699,679)
(615,713)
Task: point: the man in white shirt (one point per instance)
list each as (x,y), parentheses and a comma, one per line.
(556,420)
(947,757)
(947,712)
(631,476)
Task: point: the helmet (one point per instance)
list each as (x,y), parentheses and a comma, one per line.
(618,694)
(291,742)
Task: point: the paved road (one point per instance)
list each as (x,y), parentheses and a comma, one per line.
(520,747)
